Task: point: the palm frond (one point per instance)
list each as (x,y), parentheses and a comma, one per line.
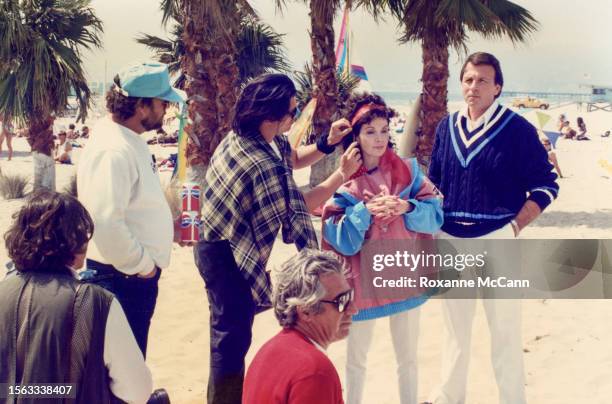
(304,80)
(260,49)
(171,10)
(447,22)
(280,5)
(515,22)
(40,47)
(380,8)
(156,44)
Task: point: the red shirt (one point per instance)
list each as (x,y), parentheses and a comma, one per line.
(289,369)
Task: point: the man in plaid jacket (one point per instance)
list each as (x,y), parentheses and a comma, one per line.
(250,195)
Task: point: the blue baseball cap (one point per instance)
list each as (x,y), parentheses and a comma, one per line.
(149,80)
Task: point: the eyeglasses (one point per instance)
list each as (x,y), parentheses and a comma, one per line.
(342,301)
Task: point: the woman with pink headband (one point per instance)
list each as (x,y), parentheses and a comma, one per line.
(387,200)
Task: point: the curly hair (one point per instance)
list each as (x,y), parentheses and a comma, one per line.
(355,103)
(298,283)
(121,105)
(48,232)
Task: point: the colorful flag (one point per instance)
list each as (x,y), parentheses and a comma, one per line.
(342,49)
(542,118)
(180,169)
(359,71)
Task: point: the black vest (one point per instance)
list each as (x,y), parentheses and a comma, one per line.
(52,330)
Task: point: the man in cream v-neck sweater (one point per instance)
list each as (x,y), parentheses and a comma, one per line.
(118,184)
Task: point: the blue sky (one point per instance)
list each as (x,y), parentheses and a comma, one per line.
(572,47)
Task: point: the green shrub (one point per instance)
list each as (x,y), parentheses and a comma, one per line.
(71,187)
(12,186)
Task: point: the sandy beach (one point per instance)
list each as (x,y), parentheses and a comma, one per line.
(566,342)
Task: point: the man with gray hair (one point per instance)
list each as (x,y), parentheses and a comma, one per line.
(312,301)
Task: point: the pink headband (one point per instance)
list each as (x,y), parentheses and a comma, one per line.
(364,109)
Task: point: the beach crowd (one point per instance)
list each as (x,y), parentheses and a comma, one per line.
(489,177)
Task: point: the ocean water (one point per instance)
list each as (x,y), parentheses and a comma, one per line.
(407,98)
(403,100)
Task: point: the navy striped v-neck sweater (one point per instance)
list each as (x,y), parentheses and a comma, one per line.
(487,175)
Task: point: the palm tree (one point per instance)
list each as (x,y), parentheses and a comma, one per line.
(322,44)
(211,39)
(347,84)
(259,50)
(208,61)
(40,67)
(325,88)
(439,25)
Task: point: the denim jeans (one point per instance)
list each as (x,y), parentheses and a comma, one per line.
(231,320)
(137,296)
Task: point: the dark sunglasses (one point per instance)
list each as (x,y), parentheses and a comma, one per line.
(342,301)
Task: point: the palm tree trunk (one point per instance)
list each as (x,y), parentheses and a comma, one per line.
(40,138)
(435,95)
(209,64)
(325,86)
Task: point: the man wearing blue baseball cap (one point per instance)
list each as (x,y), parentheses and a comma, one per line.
(117,182)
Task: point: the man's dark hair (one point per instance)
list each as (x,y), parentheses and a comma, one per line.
(483,58)
(266,97)
(355,103)
(71,126)
(48,232)
(122,105)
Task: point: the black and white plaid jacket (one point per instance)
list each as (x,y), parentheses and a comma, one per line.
(250,194)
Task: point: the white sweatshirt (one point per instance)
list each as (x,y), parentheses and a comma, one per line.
(117,182)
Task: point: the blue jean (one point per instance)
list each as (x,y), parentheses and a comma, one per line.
(232,311)
(137,296)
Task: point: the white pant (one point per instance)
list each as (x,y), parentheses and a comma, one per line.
(504,319)
(404,333)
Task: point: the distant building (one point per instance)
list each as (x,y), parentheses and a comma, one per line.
(601,94)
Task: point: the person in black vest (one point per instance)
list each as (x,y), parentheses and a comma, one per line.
(53,327)
(496,179)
